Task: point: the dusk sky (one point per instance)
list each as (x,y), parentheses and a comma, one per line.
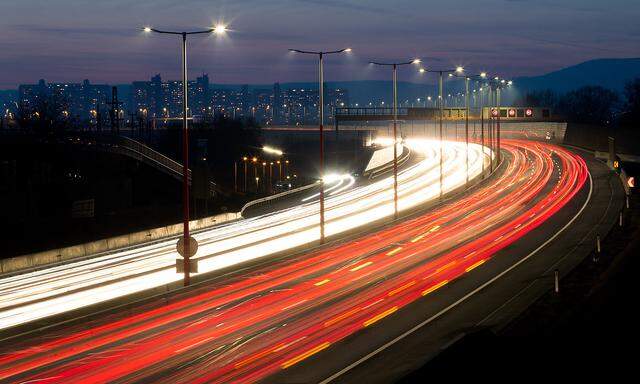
(70,40)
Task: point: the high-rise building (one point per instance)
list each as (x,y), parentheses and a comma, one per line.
(199,95)
(157,99)
(77,100)
(276,105)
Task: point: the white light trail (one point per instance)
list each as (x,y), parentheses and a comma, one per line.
(39,294)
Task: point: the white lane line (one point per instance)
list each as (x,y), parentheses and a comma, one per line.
(463,298)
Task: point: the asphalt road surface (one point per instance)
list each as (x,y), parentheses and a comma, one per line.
(310,318)
(37,295)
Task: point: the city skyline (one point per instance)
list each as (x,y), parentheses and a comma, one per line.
(160,99)
(107,46)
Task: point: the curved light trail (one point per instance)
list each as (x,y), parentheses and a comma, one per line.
(40,294)
(248,328)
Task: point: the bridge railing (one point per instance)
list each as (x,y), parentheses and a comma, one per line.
(369,111)
(153,155)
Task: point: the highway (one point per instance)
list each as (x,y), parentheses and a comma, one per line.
(274,318)
(48,292)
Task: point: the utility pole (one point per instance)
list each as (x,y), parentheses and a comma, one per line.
(114,114)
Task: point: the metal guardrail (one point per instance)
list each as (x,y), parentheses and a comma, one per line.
(271,199)
(278,196)
(404,156)
(369,111)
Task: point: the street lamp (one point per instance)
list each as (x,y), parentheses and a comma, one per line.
(273,151)
(481,75)
(279,170)
(394,67)
(320,55)
(503,84)
(218,29)
(244,160)
(441,72)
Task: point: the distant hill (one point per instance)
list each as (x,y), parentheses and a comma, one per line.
(608,73)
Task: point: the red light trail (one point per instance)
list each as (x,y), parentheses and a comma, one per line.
(255,325)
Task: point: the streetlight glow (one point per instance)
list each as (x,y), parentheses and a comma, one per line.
(347,50)
(220,29)
(147,29)
(459,69)
(272,150)
(416,61)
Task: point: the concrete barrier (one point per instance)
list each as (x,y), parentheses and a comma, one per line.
(39,259)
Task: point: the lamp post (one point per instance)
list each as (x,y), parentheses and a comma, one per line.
(279,170)
(394,67)
(286,167)
(219,29)
(254,160)
(244,160)
(480,89)
(481,75)
(496,85)
(235,176)
(271,177)
(441,73)
(320,55)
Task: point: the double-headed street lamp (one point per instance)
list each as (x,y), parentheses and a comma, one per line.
(495,85)
(320,55)
(186,239)
(441,72)
(395,66)
(467,78)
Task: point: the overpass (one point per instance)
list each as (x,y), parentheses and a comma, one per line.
(136,150)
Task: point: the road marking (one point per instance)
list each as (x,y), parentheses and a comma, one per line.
(361,266)
(446,266)
(341,317)
(294,304)
(319,283)
(380,316)
(477,264)
(253,358)
(433,288)
(402,288)
(394,251)
(418,238)
(470,254)
(303,356)
(463,298)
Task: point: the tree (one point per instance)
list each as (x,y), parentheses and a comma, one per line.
(590,105)
(632,95)
(543,98)
(46,116)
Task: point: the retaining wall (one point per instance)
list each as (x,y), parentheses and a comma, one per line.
(94,248)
